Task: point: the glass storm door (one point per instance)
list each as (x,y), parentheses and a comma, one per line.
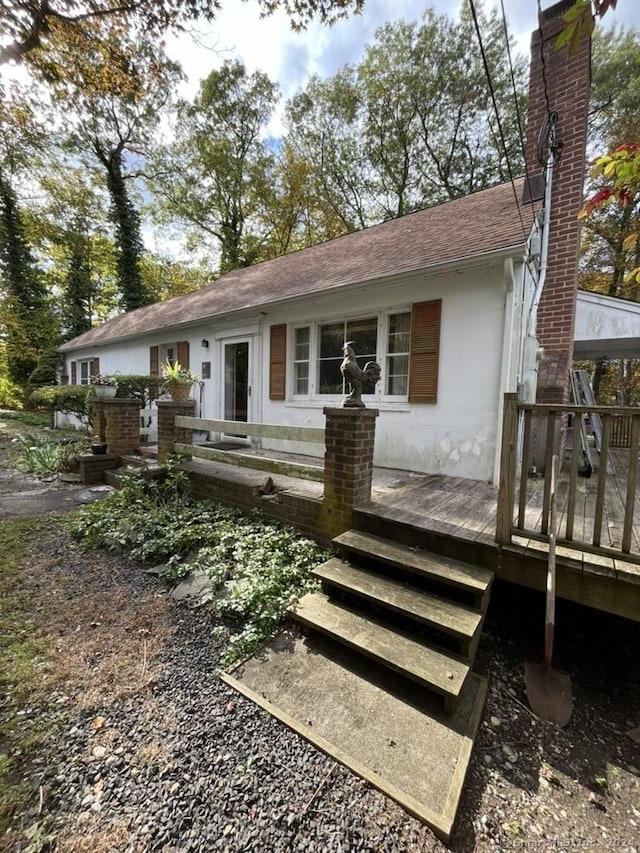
(236,381)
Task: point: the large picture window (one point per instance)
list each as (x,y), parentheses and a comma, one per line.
(317,354)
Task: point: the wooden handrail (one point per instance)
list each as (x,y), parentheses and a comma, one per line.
(284,432)
(532,433)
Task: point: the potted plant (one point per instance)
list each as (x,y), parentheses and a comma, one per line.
(104,385)
(178,380)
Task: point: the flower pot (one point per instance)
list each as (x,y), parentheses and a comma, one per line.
(98,449)
(179,390)
(105,392)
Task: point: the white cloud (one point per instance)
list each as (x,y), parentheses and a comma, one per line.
(269,44)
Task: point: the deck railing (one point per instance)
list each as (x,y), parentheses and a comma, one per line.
(278,432)
(597,503)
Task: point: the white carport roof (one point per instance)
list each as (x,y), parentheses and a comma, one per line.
(606,327)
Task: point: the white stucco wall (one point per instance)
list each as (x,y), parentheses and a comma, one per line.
(479,353)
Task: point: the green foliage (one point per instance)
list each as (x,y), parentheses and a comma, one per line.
(143,388)
(257,569)
(177,373)
(26,418)
(45,455)
(25,313)
(129,243)
(72,399)
(216,174)
(46,368)
(10,394)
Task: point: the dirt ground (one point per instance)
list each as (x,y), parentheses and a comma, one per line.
(530,786)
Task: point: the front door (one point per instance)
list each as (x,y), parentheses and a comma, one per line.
(237,391)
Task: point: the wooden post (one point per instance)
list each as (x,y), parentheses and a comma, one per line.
(508,459)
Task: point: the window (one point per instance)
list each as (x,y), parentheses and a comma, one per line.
(85,370)
(397,364)
(301,352)
(332,337)
(317,354)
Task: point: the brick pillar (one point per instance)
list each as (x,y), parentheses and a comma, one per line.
(99,420)
(168,432)
(348,465)
(559,81)
(122,424)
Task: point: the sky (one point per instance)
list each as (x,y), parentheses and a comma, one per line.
(290,58)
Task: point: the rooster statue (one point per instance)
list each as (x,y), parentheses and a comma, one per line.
(359,381)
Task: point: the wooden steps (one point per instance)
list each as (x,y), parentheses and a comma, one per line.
(474,580)
(426,666)
(417,613)
(463,623)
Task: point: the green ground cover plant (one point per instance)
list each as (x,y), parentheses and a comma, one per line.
(257,569)
(34,419)
(44,455)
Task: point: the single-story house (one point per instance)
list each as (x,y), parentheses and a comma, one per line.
(458,304)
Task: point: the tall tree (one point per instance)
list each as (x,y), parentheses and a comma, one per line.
(71,231)
(25,315)
(412,124)
(214,174)
(119,87)
(25,312)
(32,26)
(610,260)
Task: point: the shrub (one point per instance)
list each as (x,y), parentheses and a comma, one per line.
(71,399)
(44,455)
(10,394)
(257,569)
(144,388)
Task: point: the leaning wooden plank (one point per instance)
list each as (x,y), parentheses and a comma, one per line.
(260,463)
(285,432)
(435,670)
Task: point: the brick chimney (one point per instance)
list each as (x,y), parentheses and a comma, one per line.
(559,82)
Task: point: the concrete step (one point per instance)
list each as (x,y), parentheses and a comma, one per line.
(472,580)
(435,670)
(461,623)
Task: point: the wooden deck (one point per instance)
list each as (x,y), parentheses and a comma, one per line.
(458,518)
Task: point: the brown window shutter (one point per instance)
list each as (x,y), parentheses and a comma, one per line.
(95,366)
(425,351)
(74,373)
(154,357)
(277,362)
(183,354)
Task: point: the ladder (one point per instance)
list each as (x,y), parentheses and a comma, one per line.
(583,396)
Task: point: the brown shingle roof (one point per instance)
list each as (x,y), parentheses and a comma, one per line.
(463,228)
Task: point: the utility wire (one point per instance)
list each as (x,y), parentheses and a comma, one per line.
(515,95)
(543,61)
(495,109)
